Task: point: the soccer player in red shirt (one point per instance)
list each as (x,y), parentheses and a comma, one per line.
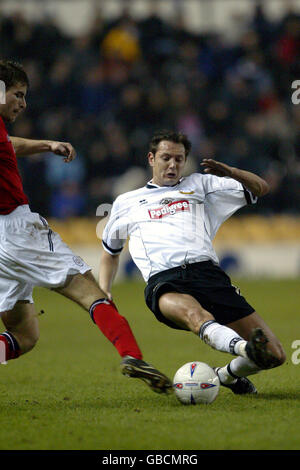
(31,254)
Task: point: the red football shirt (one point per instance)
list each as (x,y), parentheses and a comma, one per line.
(11,187)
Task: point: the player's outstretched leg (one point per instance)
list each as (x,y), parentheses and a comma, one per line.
(117,329)
(84,290)
(140,369)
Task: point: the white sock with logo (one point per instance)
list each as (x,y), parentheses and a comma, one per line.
(222,338)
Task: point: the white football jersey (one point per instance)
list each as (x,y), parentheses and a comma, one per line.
(169,226)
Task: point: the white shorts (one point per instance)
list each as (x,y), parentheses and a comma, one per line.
(31,254)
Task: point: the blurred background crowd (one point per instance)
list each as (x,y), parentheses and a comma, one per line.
(107,91)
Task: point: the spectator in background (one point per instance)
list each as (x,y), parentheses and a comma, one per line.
(125,76)
(122,41)
(67,201)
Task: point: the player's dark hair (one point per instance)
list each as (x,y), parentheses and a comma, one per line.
(12,73)
(171,136)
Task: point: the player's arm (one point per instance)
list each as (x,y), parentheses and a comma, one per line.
(257,185)
(107,272)
(24,147)
(114,237)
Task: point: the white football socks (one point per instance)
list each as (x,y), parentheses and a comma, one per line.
(222,338)
(238,367)
(225,339)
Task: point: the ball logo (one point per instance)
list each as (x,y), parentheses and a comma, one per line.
(169,209)
(193,368)
(206,385)
(2,92)
(179,386)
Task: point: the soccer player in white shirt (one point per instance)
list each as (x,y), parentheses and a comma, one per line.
(171,223)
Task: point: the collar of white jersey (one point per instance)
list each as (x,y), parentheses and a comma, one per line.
(151,185)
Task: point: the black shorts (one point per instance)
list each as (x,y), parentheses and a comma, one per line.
(207,283)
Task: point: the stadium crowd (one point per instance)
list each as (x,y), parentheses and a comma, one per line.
(108,90)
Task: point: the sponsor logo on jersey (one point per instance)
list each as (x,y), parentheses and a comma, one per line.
(169,209)
(206,385)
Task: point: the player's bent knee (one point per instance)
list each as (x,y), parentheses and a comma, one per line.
(278,352)
(28,345)
(281,356)
(27,342)
(282,359)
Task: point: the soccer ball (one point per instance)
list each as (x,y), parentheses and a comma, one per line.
(196,383)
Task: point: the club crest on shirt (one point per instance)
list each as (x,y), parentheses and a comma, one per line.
(166,201)
(77,260)
(169,209)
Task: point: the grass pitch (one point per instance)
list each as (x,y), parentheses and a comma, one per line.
(68,393)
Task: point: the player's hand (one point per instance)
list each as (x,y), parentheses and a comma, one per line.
(65,149)
(214,167)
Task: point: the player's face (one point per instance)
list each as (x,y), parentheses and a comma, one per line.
(167,163)
(15,102)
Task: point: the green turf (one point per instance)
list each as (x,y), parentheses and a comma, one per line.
(68,392)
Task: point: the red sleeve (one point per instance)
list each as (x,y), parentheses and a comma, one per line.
(3,131)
